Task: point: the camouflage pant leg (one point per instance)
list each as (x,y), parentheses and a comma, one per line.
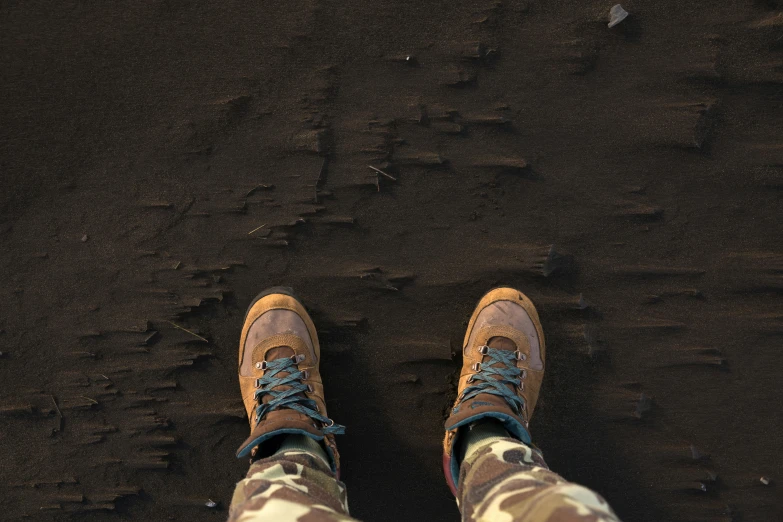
(293,486)
(509,481)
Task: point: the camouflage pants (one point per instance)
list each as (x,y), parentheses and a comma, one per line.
(503,481)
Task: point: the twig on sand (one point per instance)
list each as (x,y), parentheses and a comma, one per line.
(256,229)
(60,423)
(88,399)
(188,331)
(54,401)
(379,171)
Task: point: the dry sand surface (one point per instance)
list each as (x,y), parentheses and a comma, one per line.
(163,161)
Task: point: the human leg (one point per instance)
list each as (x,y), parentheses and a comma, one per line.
(489,461)
(508,480)
(294,484)
(294,472)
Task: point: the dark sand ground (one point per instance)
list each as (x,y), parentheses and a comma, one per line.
(629,180)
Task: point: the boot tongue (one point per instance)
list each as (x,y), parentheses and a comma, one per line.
(283,420)
(505,344)
(278,352)
(496,343)
(490,405)
(502,343)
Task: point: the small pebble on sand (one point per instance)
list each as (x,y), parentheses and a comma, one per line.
(85,238)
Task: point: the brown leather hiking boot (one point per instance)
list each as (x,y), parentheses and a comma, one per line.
(502,369)
(279,376)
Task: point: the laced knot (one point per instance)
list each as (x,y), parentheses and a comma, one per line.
(494,375)
(292,398)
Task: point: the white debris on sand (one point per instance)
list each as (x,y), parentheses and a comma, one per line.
(616,15)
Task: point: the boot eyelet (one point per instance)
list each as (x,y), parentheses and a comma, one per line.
(310,388)
(476,367)
(520,356)
(306,374)
(470,379)
(329,424)
(258,383)
(261,365)
(524,374)
(483,349)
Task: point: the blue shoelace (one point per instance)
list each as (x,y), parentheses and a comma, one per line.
(293,398)
(495,381)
